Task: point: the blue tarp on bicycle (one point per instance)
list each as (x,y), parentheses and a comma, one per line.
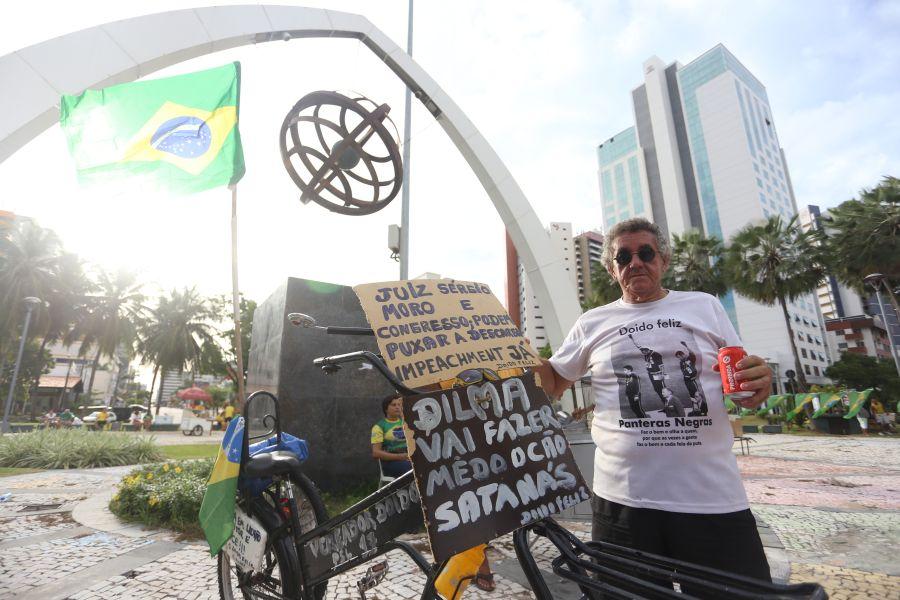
(289,443)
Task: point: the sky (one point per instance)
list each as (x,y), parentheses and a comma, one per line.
(545,82)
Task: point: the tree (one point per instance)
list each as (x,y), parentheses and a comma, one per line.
(604,289)
(28,267)
(176,331)
(774,262)
(66,301)
(696,264)
(220,395)
(864,237)
(859,372)
(110,320)
(34,364)
(222,360)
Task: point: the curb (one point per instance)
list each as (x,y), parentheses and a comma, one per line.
(779,562)
(94,512)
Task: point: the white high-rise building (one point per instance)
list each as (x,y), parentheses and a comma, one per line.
(706,150)
(532,318)
(581,254)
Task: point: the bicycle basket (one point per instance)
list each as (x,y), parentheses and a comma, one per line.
(601,569)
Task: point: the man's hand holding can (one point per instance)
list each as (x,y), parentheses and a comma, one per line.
(747,379)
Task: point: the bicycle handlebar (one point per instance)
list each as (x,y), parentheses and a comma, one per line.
(349,330)
(372,359)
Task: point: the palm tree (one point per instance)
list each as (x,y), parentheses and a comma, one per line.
(864,237)
(28,267)
(176,331)
(776,262)
(66,302)
(110,319)
(604,289)
(696,264)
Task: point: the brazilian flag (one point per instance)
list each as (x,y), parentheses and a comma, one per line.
(826,401)
(178,134)
(217,508)
(857,399)
(771,402)
(800,400)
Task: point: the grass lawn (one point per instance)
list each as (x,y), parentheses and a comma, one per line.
(191,451)
(9,471)
(337,503)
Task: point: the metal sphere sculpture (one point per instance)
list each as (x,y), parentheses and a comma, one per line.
(339,152)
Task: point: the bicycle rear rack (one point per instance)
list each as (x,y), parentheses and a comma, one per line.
(606,570)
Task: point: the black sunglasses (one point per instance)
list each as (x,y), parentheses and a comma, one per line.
(645,253)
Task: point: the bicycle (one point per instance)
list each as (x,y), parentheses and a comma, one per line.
(298,548)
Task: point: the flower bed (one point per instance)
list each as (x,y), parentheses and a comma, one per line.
(75,449)
(164,495)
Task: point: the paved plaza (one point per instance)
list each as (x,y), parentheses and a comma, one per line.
(828,509)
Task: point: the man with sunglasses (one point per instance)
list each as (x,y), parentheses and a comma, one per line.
(663,482)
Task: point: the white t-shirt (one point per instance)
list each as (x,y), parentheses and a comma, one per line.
(660,424)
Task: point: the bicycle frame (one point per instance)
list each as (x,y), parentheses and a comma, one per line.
(364,536)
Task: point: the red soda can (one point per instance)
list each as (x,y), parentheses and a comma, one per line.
(728,359)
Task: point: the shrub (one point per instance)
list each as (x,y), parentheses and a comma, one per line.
(164,495)
(75,449)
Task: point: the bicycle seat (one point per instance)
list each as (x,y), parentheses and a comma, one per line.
(267,464)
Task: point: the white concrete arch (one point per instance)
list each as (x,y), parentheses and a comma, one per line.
(33,78)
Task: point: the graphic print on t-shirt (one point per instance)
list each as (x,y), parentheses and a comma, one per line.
(658,368)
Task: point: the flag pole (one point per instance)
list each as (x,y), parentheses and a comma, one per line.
(235,298)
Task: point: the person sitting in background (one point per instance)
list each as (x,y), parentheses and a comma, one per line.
(388,439)
(50,420)
(102,419)
(147,421)
(136,420)
(881,417)
(228,414)
(66,418)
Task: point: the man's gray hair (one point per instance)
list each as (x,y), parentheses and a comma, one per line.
(633,226)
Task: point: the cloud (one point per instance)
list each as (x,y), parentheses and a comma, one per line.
(838,147)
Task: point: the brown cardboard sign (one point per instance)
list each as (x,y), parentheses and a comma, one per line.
(429,330)
(488,458)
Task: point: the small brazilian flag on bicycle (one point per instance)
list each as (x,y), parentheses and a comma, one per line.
(217,509)
(178,134)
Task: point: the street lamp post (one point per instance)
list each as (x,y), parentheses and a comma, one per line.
(30,303)
(876,280)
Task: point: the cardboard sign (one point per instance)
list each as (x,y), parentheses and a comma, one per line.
(247,545)
(369,524)
(488,458)
(429,330)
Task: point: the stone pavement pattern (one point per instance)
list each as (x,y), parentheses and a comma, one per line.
(834,503)
(831,506)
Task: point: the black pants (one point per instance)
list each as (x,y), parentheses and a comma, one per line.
(728,542)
